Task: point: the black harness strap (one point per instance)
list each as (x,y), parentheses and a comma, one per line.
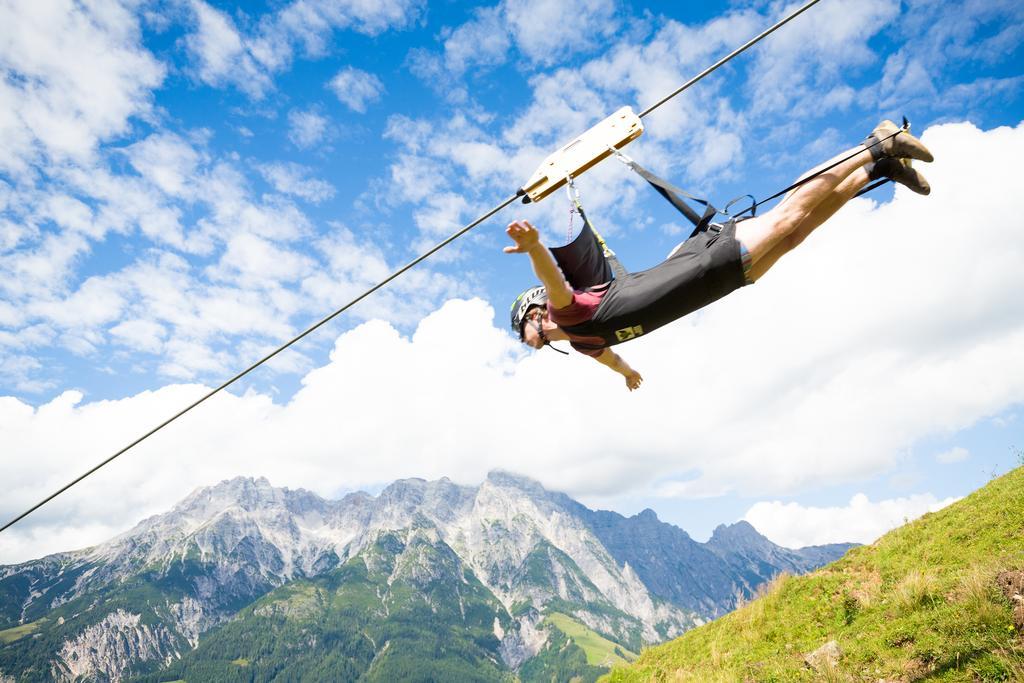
(672,194)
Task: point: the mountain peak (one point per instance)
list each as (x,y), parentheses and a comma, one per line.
(648,516)
(740,535)
(245,492)
(739,531)
(506,479)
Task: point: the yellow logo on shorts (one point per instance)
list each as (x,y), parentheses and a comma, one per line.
(627,333)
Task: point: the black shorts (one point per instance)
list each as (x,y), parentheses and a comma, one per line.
(705,268)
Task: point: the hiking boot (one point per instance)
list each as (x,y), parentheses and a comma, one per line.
(901,172)
(889,140)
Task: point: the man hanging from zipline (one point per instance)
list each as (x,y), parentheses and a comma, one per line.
(712,263)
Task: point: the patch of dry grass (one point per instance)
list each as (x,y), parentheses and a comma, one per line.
(919,588)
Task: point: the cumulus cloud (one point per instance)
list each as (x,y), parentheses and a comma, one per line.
(80,173)
(815,53)
(263,269)
(75,75)
(482,41)
(940,41)
(543,32)
(293,179)
(221,54)
(854,328)
(248,60)
(568,28)
(167,161)
(356,88)
(306,128)
(861,521)
(256,269)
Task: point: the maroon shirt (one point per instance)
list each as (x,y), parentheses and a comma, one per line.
(582,308)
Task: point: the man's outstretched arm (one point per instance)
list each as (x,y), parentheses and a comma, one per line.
(528,242)
(616,363)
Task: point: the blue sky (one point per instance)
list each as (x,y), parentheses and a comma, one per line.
(186,185)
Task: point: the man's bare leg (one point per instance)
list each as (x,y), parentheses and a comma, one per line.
(846,190)
(762,234)
(776,232)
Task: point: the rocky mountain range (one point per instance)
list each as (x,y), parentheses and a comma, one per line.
(501,581)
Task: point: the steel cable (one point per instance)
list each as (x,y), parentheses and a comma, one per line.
(391,277)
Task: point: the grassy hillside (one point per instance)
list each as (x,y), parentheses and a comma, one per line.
(599,650)
(932,600)
(18,632)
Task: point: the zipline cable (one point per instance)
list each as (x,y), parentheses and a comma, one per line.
(391,277)
(753,207)
(728,57)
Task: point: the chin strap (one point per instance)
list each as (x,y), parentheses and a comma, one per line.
(544,338)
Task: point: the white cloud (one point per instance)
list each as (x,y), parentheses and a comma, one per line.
(940,40)
(41,270)
(291,178)
(310,22)
(356,88)
(795,526)
(545,32)
(13,234)
(124,203)
(483,41)
(96,302)
(77,79)
(256,262)
(144,335)
(20,371)
(221,53)
(568,28)
(718,151)
(814,53)
(225,55)
(259,271)
(167,161)
(233,210)
(956,454)
(74,76)
(306,128)
(354,265)
(810,361)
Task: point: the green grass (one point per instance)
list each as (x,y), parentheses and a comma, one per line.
(12,634)
(599,650)
(920,603)
(241,661)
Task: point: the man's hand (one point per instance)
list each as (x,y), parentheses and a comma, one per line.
(614,361)
(524,235)
(527,240)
